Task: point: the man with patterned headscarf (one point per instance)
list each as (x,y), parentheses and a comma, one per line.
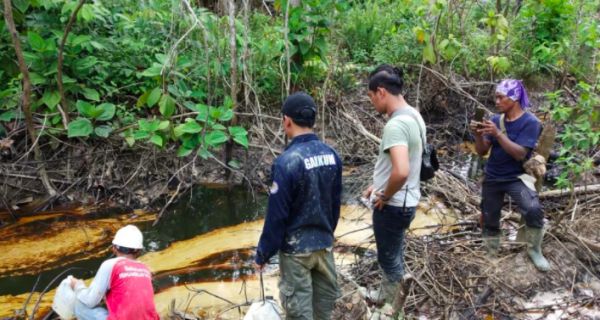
(511,136)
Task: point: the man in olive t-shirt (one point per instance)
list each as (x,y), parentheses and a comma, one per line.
(396,179)
(402,129)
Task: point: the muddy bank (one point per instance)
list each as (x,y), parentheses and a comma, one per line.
(144,176)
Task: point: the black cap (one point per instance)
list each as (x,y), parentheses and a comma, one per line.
(301,108)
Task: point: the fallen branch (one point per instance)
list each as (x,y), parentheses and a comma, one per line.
(575,191)
(361,128)
(592,245)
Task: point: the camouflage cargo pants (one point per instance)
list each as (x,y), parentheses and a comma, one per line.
(308,287)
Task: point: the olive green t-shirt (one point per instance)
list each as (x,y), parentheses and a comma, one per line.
(401,130)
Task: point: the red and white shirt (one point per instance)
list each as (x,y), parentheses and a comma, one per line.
(127,285)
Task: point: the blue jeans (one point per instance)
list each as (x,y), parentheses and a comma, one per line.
(389,226)
(83,312)
(492,200)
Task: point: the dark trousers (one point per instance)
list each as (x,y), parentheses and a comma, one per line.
(389,226)
(492,200)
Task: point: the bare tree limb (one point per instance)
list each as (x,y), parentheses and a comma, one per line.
(286,32)
(233,80)
(59,72)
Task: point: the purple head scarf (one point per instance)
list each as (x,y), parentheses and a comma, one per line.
(514,90)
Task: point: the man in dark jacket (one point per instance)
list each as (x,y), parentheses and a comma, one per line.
(303,211)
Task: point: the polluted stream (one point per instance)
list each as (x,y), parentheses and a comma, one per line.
(200,252)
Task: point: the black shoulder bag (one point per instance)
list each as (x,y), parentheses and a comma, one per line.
(429,160)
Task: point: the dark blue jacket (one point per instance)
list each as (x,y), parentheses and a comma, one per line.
(304,199)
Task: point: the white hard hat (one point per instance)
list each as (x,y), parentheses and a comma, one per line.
(129,237)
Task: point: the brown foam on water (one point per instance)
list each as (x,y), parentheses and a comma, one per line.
(44,242)
(190,255)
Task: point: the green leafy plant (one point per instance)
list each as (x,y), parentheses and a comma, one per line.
(580,134)
(90,115)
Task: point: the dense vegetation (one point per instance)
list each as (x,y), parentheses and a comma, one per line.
(170,73)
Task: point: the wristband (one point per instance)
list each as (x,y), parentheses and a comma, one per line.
(384,198)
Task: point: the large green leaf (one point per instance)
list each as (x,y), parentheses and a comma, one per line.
(141,134)
(22,5)
(215,113)
(157,140)
(183,151)
(228,102)
(202,110)
(153,97)
(241,140)
(36,79)
(88,110)
(161,57)
(225,114)
(56,119)
(8,92)
(217,126)
(10,115)
(141,101)
(80,127)
(36,41)
(103,131)
(51,99)
(153,71)
(166,105)
(85,64)
(240,135)
(190,126)
(164,125)
(190,141)
(81,39)
(87,12)
(428,53)
(237,131)
(149,126)
(204,153)
(91,94)
(215,138)
(108,111)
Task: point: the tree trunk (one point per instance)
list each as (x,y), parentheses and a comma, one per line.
(26,100)
(233,79)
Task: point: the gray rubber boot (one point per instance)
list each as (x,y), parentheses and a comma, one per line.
(534,248)
(388,290)
(522,232)
(492,245)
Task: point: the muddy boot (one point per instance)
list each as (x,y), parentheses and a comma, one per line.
(401,295)
(388,290)
(492,245)
(534,248)
(522,231)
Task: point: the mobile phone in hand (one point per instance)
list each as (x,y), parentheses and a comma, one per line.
(365,202)
(479,114)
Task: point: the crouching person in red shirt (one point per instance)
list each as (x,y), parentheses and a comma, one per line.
(124,282)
